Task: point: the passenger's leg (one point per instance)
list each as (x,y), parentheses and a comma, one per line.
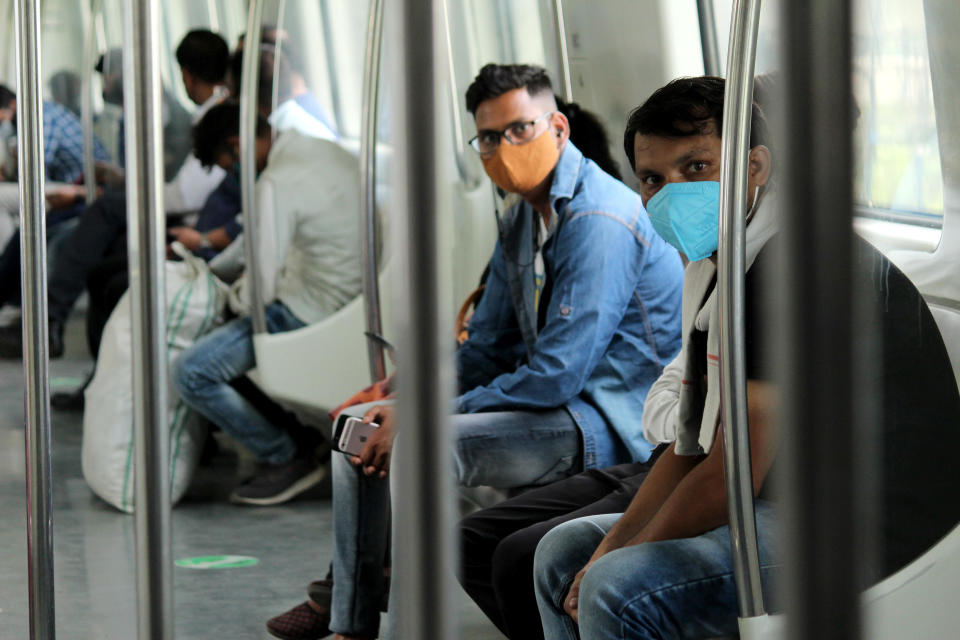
(202,375)
(101,226)
(106,284)
(510,449)
(498,543)
(561,554)
(361,525)
(10,271)
(673,589)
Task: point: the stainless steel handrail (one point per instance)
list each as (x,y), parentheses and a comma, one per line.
(368,189)
(423,562)
(146,246)
(709,43)
(828,369)
(248,165)
(566,78)
(277,52)
(213,16)
(738,101)
(459,147)
(90,9)
(35,330)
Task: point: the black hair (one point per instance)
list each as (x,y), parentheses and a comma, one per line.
(494,80)
(204,54)
(265,80)
(588,134)
(212,134)
(686,107)
(6,96)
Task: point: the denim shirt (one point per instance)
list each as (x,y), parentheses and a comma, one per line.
(612,322)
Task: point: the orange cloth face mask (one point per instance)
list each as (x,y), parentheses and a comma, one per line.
(518,168)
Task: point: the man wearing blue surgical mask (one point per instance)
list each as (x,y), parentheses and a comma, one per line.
(663,568)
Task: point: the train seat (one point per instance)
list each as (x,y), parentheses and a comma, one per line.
(948,320)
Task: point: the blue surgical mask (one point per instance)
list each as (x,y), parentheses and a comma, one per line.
(687,216)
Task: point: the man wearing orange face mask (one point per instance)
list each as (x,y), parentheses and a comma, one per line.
(580,315)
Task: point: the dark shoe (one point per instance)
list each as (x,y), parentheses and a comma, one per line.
(71,400)
(11,341)
(275,484)
(56,339)
(302,622)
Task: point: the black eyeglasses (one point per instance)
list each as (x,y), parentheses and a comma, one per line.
(487,141)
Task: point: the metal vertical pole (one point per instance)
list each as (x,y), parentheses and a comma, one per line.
(459,147)
(819,432)
(277,52)
(368,189)
(708,38)
(86,95)
(35,337)
(249,83)
(145,241)
(566,77)
(213,16)
(423,559)
(731,266)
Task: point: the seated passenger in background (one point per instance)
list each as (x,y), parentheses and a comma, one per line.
(308,208)
(101,231)
(216,226)
(580,315)
(203,57)
(663,568)
(62,159)
(297,107)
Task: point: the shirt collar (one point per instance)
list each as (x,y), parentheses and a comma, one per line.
(220,92)
(566,175)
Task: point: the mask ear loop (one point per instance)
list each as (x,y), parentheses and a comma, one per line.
(756,203)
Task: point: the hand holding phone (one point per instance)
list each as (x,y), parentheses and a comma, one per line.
(354,436)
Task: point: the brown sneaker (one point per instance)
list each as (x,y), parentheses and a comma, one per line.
(303,622)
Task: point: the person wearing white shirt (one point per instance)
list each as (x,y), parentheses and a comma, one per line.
(308,236)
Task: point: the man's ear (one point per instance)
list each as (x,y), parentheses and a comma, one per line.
(560,128)
(761,164)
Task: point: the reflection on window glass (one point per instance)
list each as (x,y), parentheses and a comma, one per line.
(897,169)
(899,158)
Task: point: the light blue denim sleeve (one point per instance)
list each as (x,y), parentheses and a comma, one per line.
(597,265)
(494,335)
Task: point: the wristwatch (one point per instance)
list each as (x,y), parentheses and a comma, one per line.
(205,241)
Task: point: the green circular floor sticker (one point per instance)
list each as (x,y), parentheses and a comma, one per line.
(217,562)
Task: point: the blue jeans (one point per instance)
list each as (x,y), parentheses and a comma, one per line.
(671,589)
(202,376)
(503,449)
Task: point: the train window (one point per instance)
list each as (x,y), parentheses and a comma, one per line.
(897,173)
(898,169)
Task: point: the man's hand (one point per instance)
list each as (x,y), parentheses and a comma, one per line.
(109,174)
(64,196)
(375,457)
(187,236)
(571,601)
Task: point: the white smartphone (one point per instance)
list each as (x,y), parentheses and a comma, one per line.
(354,435)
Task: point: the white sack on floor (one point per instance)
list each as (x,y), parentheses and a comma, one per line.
(195,302)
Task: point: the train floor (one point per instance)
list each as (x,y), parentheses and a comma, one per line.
(94,543)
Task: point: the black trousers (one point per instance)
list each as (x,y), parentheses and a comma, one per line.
(498,543)
(107,281)
(10,256)
(100,232)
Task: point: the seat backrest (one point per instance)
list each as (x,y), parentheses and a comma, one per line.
(948,320)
